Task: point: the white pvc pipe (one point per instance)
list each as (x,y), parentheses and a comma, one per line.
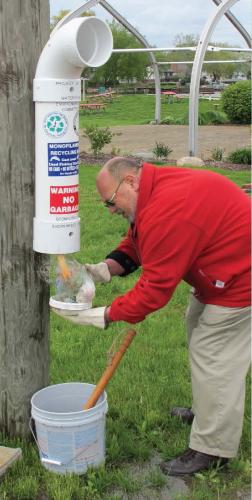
(84,41)
(57,92)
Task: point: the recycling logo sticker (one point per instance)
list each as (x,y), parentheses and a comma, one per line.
(55,124)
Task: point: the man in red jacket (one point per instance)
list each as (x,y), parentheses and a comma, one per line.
(186,225)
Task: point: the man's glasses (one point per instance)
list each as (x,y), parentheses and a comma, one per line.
(110,203)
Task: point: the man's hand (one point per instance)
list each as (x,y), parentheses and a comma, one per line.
(99,272)
(91,317)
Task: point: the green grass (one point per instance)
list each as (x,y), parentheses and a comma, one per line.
(139,110)
(153,377)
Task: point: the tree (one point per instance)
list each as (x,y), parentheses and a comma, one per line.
(122,66)
(181,40)
(236,102)
(219,70)
(188,40)
(62,13)
(24,311)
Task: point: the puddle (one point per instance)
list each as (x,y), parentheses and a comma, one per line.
(172,488)
(154,485)
(243,495)
(176,489)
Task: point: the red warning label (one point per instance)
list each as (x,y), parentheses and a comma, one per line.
(64,199)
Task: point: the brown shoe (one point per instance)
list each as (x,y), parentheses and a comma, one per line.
(185,414)
(190,462)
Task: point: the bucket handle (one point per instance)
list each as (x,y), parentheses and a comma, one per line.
(52,461)
(44,458)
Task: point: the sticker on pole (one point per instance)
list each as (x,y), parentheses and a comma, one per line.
(76,122)
(55,124)
(63,159)
(64,199)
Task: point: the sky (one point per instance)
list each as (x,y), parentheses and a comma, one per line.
(161,20)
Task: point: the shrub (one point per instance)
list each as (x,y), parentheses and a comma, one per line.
(115,150)
(168,120)
(242,156)
(205,118)
(161,150)
(212,117)
(172,120)
(98,137)
(236,102)
(217,154)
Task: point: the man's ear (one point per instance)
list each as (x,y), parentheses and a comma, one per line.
(133,181)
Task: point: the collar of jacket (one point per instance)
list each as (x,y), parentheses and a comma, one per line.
(147,182)
(145,190)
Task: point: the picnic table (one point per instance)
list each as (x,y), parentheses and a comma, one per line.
(170,95)
(106,95)
(92,106)
(169,92)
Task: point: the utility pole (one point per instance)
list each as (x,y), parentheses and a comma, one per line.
(24,312)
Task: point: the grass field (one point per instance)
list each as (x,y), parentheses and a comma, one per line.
(153,377)
(139,110)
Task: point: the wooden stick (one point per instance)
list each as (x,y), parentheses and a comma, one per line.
(105,378)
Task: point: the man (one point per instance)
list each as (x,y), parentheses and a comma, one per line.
(186,225)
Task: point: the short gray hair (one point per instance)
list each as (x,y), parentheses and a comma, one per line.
(120,165)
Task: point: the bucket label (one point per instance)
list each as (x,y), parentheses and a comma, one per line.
(63,159)
(64,199)
(75,449)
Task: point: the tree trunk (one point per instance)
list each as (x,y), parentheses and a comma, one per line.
(24,316)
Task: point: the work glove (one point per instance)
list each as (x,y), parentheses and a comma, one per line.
(91,317)
(99,272)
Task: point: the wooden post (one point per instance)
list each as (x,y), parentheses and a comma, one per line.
(24,312)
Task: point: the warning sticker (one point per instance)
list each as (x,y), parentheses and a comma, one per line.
(64,199)
(63,158)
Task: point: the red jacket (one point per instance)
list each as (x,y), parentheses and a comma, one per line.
(191,225)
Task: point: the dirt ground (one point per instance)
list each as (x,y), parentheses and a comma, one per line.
(139,140)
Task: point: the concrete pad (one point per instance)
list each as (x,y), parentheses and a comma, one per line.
(7,457)
(190,161)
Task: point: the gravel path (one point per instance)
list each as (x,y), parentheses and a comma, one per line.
(140,139)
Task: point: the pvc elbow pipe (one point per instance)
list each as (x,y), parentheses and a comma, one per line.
(57,91)
(84,41)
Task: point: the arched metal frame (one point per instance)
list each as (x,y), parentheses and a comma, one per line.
(236,24)
(222,9)
(196,72)
(91,3)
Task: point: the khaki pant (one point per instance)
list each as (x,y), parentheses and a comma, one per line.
(219,347)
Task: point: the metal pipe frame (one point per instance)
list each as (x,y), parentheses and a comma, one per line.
(142,40)
(91,3)
(236,24)
(222,9)
(196,72)
(205,62)
(210,48)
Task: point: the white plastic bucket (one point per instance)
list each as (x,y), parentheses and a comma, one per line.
(66,307)
(69,438)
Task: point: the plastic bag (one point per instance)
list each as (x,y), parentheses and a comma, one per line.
(78,287)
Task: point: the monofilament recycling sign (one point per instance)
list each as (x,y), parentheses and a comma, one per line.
(63,159)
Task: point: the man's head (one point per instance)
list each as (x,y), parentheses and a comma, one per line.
(118,184)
